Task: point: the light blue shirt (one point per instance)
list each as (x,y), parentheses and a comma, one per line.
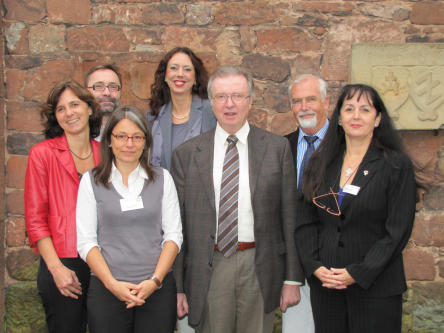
(303,145)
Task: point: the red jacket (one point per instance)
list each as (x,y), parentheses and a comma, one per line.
(51,185)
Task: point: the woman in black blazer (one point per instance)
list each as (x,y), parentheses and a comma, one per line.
(356,217)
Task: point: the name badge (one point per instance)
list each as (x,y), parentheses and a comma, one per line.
(351,189)
(131,203)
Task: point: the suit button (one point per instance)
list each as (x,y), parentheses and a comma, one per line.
(340,244)
(339,229)
(212,236)
(342,217)
(210,264)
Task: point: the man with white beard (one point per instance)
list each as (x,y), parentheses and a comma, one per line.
(309,104)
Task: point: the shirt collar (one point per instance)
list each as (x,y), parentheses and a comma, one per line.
(137,172)
(320,134)
(221,135)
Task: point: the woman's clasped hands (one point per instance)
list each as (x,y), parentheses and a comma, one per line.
(334,278)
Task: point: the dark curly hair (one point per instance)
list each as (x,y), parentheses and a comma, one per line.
(160,92)
(47,111)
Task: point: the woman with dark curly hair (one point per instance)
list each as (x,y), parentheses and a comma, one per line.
(72,120)
(179,105)
(357,216)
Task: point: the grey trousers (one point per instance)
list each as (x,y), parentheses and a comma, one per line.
(234,302)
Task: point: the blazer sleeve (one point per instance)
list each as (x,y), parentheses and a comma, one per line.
(178,174)
(397,229)
(36,197)
(294,271)
(306,236)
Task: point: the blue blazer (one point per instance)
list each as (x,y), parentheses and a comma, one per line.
(201,120)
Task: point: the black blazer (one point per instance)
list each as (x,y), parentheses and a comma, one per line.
(373,229)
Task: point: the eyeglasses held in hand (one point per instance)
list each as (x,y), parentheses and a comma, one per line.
(112,87)
(125,138)
(235,98)
(329,210)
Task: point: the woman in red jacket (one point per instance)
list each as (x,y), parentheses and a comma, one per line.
(72,120)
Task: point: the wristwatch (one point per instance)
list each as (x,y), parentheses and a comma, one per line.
(156,281)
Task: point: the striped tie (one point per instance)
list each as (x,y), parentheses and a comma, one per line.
(229,188)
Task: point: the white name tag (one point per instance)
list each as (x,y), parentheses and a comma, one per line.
(351,189)
(131,203)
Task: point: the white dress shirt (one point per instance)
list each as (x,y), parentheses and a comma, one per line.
(87,207)
(245,210)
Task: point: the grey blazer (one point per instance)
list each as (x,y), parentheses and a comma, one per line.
(273,196)
(201,121)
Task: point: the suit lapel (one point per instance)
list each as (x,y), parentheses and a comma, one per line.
(366,171)
(256,153)
(165,123)
(65,158)
(204,163)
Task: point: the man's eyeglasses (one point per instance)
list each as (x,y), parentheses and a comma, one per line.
(124,138)
(334,211)
(235,98)
(113,87)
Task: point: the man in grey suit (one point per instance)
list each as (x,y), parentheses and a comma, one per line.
(237,191)
(309,104)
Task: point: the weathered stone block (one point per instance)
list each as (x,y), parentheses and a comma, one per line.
(388,11)
(15,171)
(20,143)
(433,198)
(286,39)
(258,118)
(15,80)
(128,14)
(248,39)
(15,231)
(410,85)
(44,38)
(441,268)
(419,265)
(283,123)
(163,13)
(428,305)
(143,40)
(198,14)
(25,10)
(267,68)
(276,98)
(429,231)
(142,76)
(338,9)
(22,61)
(67,11)
(427,12)
(16,37)
(24,117)
(90,38)
(245,13)
(15,202)
(23,264)
(24,310)
(308,20)
(41,80)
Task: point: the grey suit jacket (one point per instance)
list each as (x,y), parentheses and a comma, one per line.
(273,196)
(201,120)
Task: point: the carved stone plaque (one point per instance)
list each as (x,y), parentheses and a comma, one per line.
(409,78)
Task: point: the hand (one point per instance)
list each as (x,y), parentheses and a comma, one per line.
(66,281)
(343,278)
(326,276)
(182,305)
(126,292)
(144,289)
(290,295)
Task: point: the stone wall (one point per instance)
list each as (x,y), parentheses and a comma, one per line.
(49,40)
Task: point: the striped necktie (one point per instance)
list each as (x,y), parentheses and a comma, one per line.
(310,150)
(229,190)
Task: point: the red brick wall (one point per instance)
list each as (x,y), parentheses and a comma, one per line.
(50,40)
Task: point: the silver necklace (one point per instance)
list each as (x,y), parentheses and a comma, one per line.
(81,158)
(181,117)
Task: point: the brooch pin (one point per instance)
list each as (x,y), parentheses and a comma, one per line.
(365,172)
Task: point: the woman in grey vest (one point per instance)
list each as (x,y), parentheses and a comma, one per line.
(129,232)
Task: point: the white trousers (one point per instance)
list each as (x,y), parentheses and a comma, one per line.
(299,318)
